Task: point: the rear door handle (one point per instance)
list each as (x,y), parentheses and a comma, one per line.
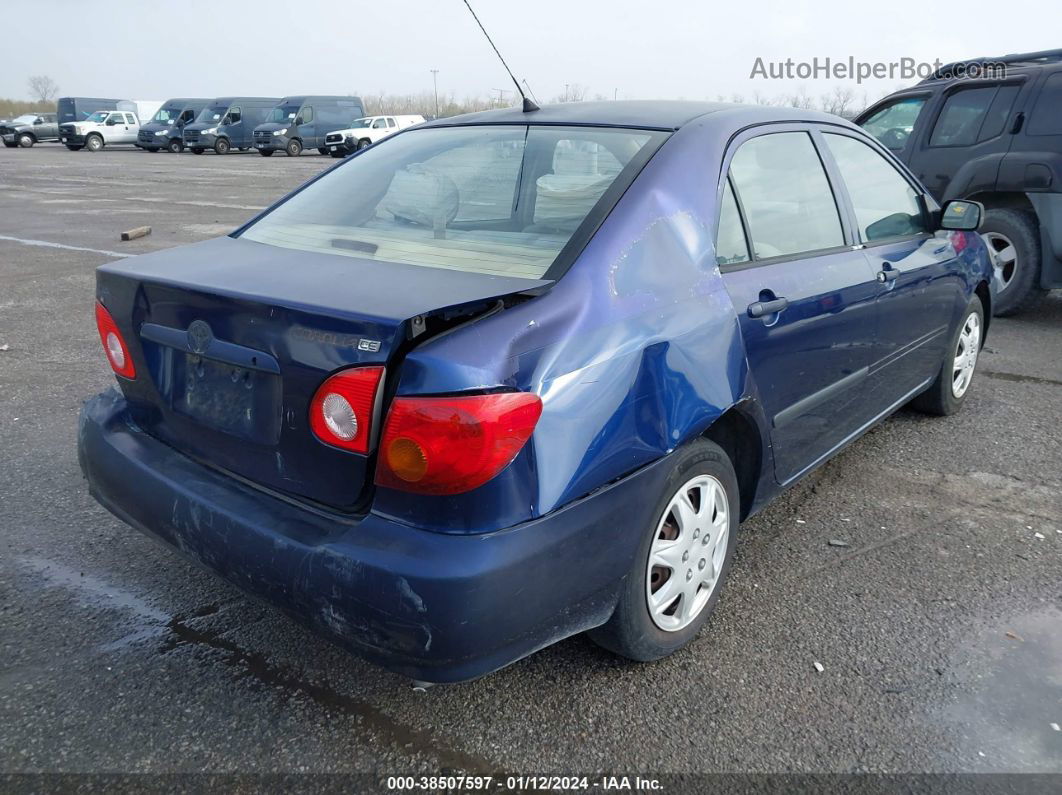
(761,308)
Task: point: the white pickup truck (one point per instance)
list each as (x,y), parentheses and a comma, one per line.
(365,132)
(106,127)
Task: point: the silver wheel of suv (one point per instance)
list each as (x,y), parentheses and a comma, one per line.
(1004,258)
(687,553)
(966,355)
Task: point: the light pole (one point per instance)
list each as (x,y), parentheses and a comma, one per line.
(435,83)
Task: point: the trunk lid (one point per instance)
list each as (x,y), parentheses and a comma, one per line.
(232,338)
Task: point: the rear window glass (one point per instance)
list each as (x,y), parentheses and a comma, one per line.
(498,200)
(1047,114)
(973,115)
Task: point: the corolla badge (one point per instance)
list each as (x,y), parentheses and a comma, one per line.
(199,336)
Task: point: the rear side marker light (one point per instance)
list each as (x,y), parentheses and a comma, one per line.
(113,343)
(450,445)
(342,409)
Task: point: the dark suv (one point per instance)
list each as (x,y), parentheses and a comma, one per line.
(997,139)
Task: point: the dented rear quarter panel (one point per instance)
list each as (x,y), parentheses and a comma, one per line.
(634,351)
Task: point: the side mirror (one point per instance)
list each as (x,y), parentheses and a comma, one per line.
(38,120)
(111,122)
(298,121)
(963,216)
(225,120)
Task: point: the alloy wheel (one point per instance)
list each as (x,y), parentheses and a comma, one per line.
(966,355)
(1004,258)
(687,553)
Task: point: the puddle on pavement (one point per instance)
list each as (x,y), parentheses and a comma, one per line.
(1010,695)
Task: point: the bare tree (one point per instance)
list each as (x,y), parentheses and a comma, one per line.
(840,102)
(43,88)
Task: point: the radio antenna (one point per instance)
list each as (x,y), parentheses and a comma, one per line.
(528,105)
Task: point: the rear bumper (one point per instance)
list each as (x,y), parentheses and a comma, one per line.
(431,606)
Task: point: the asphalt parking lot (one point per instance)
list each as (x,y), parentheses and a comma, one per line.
(937,623)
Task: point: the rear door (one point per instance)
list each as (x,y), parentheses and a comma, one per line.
(804,296)
(960,151)
(918,282)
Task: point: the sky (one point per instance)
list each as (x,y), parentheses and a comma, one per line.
(628,49)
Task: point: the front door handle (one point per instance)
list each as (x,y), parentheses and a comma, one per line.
(762,308)
(888,274)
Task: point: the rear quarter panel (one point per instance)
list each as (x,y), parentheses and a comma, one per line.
(635,350)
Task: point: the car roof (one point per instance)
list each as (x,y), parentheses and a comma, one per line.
(644,114)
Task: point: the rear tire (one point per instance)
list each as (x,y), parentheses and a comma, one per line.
(948,392)
(26,140)
(294,148)
(1013,237)
(222,146)
(176,145)
(94,142)
(700,468)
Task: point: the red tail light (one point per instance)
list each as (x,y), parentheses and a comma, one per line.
(449,445)
(342,410)
(113,343)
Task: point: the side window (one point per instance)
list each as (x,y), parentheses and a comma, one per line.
(379,124)
(893,124)
(960,120)
(789,207)
(306,115)
(391,122)
(130,118)
(187,116)
(235,115)
(999,112)
(1047,113)
(885,203)
(730,244)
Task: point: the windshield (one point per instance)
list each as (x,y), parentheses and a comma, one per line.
(360,123)
(98,116)
(25,119)
(283,113)
(169,114)
(500,200)
(212,113)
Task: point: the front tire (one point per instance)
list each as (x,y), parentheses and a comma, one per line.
(94,142)
(222,146)
(198,150)
(1013,239)
(11,144)
(323,150)
(294,148)
(75,147)
(948,392)
(682,561)
(176,145)
(265,152)
(364,143)
(336,154)
(26,140)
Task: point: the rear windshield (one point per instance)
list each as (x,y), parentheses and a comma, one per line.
(500,200)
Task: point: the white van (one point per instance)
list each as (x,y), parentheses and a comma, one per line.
(108,127)
(365,132)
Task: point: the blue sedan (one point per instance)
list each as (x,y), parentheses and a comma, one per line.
(513,376)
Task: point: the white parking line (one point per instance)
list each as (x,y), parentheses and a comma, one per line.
(47,244)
